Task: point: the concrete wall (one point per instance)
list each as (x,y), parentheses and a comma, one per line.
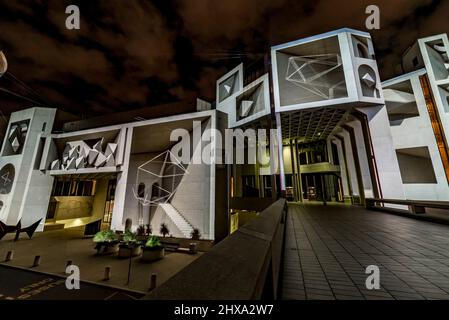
(73,207)
(192,197)
(384,152)
(132,205)
(418,132)
(30,193)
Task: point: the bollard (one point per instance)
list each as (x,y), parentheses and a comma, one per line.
(153,281)
(37,261)
(107,273)
(193,247)
(9,256)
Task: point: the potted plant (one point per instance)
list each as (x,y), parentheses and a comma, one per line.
(129,245)
(141,230)
(106,242)
(164,230)
(195,234)
(148,230)
(153,250)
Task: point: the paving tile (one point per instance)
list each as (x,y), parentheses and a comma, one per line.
(329,250)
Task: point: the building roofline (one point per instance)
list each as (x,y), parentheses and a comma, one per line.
(320,36)
(418,72)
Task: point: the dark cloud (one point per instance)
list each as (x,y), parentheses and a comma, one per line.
(131,54)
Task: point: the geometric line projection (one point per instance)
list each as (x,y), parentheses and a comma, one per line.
(16,137)
(311,73)
(79,155)
(163,171)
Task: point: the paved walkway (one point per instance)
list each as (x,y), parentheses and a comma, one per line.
(328,248)
(59,246)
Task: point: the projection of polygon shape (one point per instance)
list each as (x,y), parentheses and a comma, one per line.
(84,152)
(438,59)
(65,159)
(66,151)
(7,174)
(73,153)
(93,154)
(245,107)
(79,163)
(15,144)
(13,132)
(101,160)
(368,80)
(415,165)
(71,164)
(24,127)
(310,72)
(98,146)
(444,93)
(55,165)
(169,171)
(110,149)
(250,102)
(16,138)
(400,102)
(228,87)
(362,47)
(110,161)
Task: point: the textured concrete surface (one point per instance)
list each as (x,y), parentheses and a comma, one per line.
(57,247)
(328,249)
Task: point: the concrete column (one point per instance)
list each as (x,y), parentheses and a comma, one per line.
(355,155)
(298,168)
(346,177)
(294,182)
(122,184)
(384,152)
(280,153)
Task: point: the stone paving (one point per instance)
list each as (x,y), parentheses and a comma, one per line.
(57,247)
(329,247)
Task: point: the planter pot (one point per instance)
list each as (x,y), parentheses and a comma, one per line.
(105,248)
(124,251)
(152,254)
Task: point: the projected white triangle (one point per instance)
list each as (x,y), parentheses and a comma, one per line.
(369,81)
(245,107)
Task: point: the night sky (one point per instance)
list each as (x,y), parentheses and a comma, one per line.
(132,54)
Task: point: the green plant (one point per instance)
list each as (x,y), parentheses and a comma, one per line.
(195,234)
(129,237)
(105,236)
(164,230)
(153,242)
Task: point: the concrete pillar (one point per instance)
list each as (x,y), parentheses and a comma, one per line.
(384,152)
(298,169)
(280,153)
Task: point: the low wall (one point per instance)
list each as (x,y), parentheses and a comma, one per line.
(245,265)
(73,207)
(251,204)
